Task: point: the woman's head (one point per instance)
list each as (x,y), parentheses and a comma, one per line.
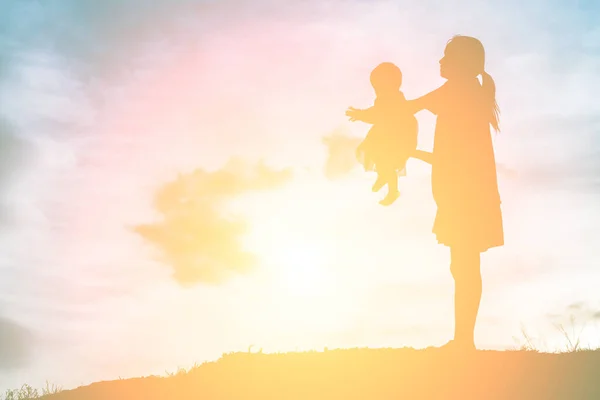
(386,77)
(464,59)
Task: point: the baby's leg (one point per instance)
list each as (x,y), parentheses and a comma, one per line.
(380,182)
(391,178)
(392,181)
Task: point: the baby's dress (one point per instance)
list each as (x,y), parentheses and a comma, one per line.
(464,180)
(392,137)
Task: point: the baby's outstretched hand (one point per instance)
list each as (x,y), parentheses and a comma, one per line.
(353,113)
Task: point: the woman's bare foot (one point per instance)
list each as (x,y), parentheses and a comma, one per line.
(461,347)
(390,198)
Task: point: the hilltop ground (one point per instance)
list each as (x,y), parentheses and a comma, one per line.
(368,374)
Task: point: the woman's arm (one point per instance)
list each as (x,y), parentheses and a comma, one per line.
(423,156)
(431,101)
(416,105)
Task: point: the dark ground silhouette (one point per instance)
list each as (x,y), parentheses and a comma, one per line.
(368,374)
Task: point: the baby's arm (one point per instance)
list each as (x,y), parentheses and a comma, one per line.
(368,115)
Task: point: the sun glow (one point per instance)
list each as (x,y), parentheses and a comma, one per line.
(292,232)
(290,238)
(301,267)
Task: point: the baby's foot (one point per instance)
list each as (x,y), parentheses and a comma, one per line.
(390,198)
(379,183)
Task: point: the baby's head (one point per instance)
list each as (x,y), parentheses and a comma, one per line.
(386,77)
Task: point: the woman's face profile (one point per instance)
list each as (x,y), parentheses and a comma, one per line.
(459,62)
(446,64)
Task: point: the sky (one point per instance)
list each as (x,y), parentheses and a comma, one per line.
(177,181)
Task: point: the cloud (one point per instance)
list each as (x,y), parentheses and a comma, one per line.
(103,38)
(96,32)
(568,156)
(12,155)
(14,341)
(196,236)
(11,148)
(576,313)
(341,154)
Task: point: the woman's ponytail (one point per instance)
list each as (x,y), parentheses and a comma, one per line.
(489,90)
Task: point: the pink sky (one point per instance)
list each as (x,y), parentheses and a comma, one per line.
(232,80)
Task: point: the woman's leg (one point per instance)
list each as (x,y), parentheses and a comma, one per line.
(466,271)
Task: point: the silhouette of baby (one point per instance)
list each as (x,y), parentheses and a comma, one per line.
(393,137)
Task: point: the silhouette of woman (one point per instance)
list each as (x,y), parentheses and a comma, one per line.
(463,176)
